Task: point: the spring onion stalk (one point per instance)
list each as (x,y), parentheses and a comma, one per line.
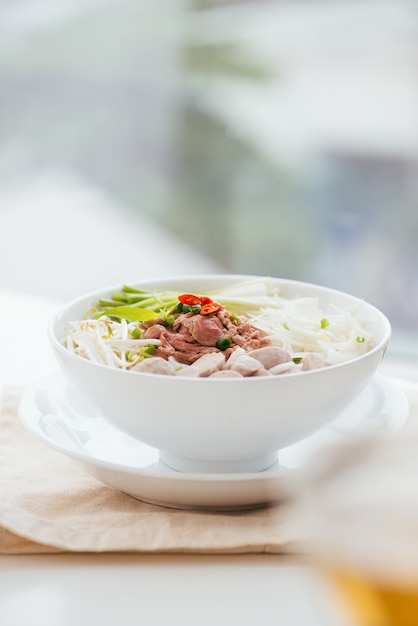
(239,299)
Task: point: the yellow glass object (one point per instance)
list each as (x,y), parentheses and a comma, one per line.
(372,603)
(360,502)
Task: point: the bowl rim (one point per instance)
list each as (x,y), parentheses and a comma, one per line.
(58,345)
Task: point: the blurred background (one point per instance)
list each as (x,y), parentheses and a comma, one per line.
(152,137)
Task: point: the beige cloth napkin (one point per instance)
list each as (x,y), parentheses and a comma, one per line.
(49,503)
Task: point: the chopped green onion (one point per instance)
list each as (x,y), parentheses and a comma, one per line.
(136,333)
(324,322)
(169,320)
(360,339)
(297,360)
(285,326)
(150,349)
(223,343)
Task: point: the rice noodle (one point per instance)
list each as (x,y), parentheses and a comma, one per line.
(300,326)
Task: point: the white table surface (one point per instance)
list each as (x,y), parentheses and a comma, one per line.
(110,589)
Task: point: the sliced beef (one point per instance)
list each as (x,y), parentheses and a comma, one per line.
(203,329)
(153,332)
(174,345)
(192,336)
(241,331)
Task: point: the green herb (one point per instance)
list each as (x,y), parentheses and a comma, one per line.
(324,322)
(360,339)
(297,360)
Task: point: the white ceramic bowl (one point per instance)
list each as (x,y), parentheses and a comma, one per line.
(216,424)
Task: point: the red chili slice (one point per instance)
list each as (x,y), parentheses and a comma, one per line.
(205,300)
(189,298)
(211,307)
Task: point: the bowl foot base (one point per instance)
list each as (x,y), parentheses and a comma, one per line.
(219,465)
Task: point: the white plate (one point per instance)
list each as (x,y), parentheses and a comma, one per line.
(58,415)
